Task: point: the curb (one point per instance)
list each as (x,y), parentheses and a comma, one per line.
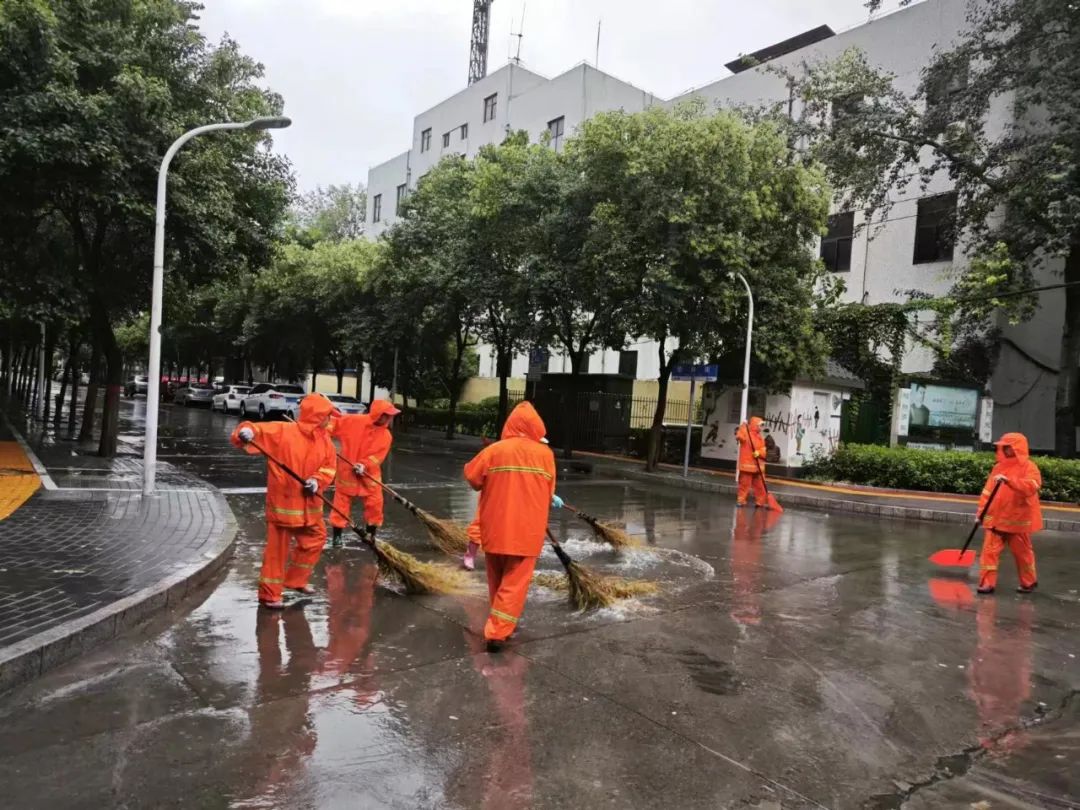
(820,503)
(33,657)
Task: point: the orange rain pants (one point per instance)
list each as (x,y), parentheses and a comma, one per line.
(1022,551)
(373,507)
(748,481)
(508,586)
(282,569)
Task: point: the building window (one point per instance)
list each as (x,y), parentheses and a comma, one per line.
(942,91)
(402,190)
(627,361)
(425,140)
(491,104)
(464,132)
(836,244)
(555,130)
(446,140)
(376,208)
(934,236)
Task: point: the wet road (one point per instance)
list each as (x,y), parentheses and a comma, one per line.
(805,660)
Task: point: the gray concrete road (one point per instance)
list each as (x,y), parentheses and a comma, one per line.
(808,661)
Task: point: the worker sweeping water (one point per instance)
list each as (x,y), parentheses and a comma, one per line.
(751,465)
(516,480)
(365,441)
(1013,515)
(293,510)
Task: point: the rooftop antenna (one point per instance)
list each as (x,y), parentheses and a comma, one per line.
(478,52)
(520,34)
(598,24)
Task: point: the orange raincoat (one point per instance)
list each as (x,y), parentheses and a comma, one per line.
(362,442)
(516,479)
(1014,514)
(305,448)
(751,455)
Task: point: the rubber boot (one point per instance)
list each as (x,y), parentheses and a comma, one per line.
(468,562)
(335,539)
(371,531)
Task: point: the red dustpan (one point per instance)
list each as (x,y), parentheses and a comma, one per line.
(963,558)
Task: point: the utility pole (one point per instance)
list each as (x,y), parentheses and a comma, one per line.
(478,53)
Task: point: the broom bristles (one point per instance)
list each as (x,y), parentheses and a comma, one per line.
(588,590)
(613,536)
(450,538)
(418,576)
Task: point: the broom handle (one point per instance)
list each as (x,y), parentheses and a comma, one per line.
(406,503)
(318,495)
(586,517)
(564,558)
(982,516)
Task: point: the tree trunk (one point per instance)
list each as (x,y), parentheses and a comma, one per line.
(339,368)
(1068,383)
(114,385)
(86,431)
(656,432)
(59,413)
(371,383)
(75,372)
(46,384)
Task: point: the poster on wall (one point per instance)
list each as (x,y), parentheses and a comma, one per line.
(939,406)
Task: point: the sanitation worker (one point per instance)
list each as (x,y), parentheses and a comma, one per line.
(293,510)
(516,480)
(751,462)
(1014,514)
(365,442)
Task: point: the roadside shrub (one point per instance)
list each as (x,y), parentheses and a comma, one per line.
(937,471)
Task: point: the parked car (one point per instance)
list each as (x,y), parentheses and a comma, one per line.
(346,404)
(139,384)
(271,399)
(195,394)
(227,398)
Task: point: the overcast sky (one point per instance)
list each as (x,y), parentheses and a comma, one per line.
(355,72)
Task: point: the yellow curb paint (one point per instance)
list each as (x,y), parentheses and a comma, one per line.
(968,500)
(18,481)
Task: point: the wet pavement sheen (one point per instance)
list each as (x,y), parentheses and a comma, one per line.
(802,660)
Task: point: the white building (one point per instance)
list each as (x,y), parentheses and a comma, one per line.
(878,262)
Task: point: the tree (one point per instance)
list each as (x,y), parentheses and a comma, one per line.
(1017,185)
(510,191)
(92,93)
(686,199)
(431,274)
(334,214)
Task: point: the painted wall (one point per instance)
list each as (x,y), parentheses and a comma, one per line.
(801,424)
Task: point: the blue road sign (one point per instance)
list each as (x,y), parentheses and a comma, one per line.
(687,372)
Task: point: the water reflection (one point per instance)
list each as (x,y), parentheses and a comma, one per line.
(747,531)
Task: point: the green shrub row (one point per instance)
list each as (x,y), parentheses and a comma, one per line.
(937,471)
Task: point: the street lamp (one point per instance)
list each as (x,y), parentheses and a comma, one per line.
(153,385)
(746,362)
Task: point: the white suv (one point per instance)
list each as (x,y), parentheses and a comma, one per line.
(271,399)
(227,399)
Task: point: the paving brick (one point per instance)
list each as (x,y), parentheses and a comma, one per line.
(78,568)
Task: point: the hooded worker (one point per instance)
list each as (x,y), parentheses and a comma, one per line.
(1013,515)
(365,443)
(751,462)
(293,510)
(516,480)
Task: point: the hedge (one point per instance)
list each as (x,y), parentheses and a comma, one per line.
(937,471)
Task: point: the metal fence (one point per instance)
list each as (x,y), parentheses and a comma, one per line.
(616,423)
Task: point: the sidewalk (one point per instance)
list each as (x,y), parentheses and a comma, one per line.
(85,557)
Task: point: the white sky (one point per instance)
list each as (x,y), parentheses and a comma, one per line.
(355,72)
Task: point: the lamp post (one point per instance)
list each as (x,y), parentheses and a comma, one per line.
(746,362)
(153,386)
